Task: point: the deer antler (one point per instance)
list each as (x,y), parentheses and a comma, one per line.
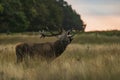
(60,31)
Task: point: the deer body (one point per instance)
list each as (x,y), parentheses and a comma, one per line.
(49,50)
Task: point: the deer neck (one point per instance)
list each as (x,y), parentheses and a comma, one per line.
(59,47)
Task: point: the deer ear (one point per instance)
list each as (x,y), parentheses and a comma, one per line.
(63,35)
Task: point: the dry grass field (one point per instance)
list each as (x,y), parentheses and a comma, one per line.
(90,56)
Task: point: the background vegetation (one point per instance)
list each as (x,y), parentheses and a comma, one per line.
(35,15)
(90,56)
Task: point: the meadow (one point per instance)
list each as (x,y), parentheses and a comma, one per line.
(90,56)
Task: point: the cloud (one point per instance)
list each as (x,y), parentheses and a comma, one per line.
(94,1)
(96,7)
(102,23)
(98,14)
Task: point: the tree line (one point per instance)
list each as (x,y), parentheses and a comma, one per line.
(35,15)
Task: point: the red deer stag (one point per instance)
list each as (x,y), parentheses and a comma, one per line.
(48,50)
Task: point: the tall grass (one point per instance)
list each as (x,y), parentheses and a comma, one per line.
(96,38)
(80,61)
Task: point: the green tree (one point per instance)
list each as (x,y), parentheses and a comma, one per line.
(34,15)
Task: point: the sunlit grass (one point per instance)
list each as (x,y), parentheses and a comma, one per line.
(17,38)
(88,61)
(95,38)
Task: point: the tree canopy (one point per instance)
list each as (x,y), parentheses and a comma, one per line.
(35,15)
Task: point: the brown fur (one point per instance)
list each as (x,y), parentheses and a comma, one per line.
(47,50)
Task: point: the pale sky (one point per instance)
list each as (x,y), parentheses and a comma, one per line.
(98,14)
